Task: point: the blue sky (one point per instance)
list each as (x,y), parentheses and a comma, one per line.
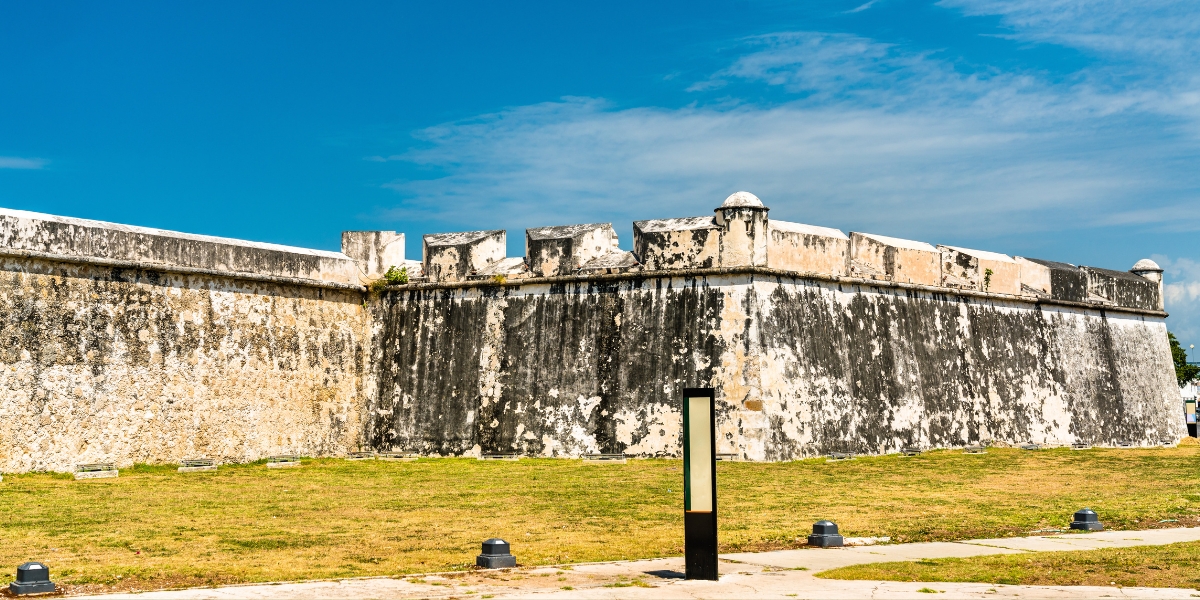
(1051,129)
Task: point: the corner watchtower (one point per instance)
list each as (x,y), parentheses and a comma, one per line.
(742,219)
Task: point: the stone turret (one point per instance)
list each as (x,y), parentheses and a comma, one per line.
(1150,270)
(743,222)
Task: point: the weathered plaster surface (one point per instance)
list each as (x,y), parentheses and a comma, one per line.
(67,236)
(894,259)
(107,365)
(685,243)
(801,368)
(799,247)
(455,256)
(967,269)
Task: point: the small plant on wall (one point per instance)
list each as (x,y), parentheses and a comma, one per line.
(987,279)
(393,276)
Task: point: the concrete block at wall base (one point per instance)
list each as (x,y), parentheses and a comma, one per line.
(96,474)
(197,469)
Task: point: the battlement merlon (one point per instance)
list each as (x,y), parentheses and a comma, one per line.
(739,235)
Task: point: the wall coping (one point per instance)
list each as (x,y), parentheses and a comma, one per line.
(627,276)
(778,273)
(169,268)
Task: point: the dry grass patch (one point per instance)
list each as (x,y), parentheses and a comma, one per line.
(1172,566)
(154,528)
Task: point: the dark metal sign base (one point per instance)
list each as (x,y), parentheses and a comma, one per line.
(700,545)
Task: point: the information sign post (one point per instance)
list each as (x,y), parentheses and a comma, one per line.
(699,483)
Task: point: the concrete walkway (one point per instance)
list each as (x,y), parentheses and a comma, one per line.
(783,574)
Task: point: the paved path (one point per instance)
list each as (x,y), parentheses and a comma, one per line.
(746,575)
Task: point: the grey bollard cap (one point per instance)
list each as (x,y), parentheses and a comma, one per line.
(32,578)
(1087,520)
(825,528)
(495,546)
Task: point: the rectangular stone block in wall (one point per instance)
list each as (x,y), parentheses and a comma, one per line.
(374,251)
(1060,281)
(1122,289)
(563,249)
(685,243)
(456,256)
(980,270)
(894,259)
(799,247)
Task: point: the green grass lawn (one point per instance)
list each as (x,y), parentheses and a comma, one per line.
(1175,565)
(153,527)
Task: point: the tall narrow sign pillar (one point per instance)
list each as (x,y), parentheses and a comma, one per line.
(700,483)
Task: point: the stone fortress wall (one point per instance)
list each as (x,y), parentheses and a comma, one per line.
(127,344)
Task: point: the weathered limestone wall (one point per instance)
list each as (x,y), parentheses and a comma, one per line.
(801,367)
(100,364)
(124,344)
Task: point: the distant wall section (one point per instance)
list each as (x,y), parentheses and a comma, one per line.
(801,367)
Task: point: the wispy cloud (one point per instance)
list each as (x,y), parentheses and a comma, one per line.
(16,162)
(901,141)
(870,136)
(1181,295)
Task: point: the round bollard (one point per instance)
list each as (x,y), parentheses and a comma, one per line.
(825,535)
(1087,520)
(495,555)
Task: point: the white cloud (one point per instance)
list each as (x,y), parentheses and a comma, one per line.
(1181,295)
(16,162)
(902,143)
(867,136)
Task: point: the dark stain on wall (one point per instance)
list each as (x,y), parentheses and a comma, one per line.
(874,368)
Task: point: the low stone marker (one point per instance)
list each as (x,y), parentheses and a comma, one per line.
(284,461)
(495,555)
(975,450)
(95,471)
(399,456)
(509,457)
(1081,446)
(361,456)
(32,578)
(825,535)
(1031,446)
(910,451)
(1125,444)
(603,459)
(840,456)
(196,465)
(1087,520)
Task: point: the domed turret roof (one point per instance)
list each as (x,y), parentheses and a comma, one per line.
(1146,265)
(742,199)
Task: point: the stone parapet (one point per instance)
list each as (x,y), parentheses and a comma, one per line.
(456,256)
(968,269)
(68,237)
(564,249)
(894,259)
